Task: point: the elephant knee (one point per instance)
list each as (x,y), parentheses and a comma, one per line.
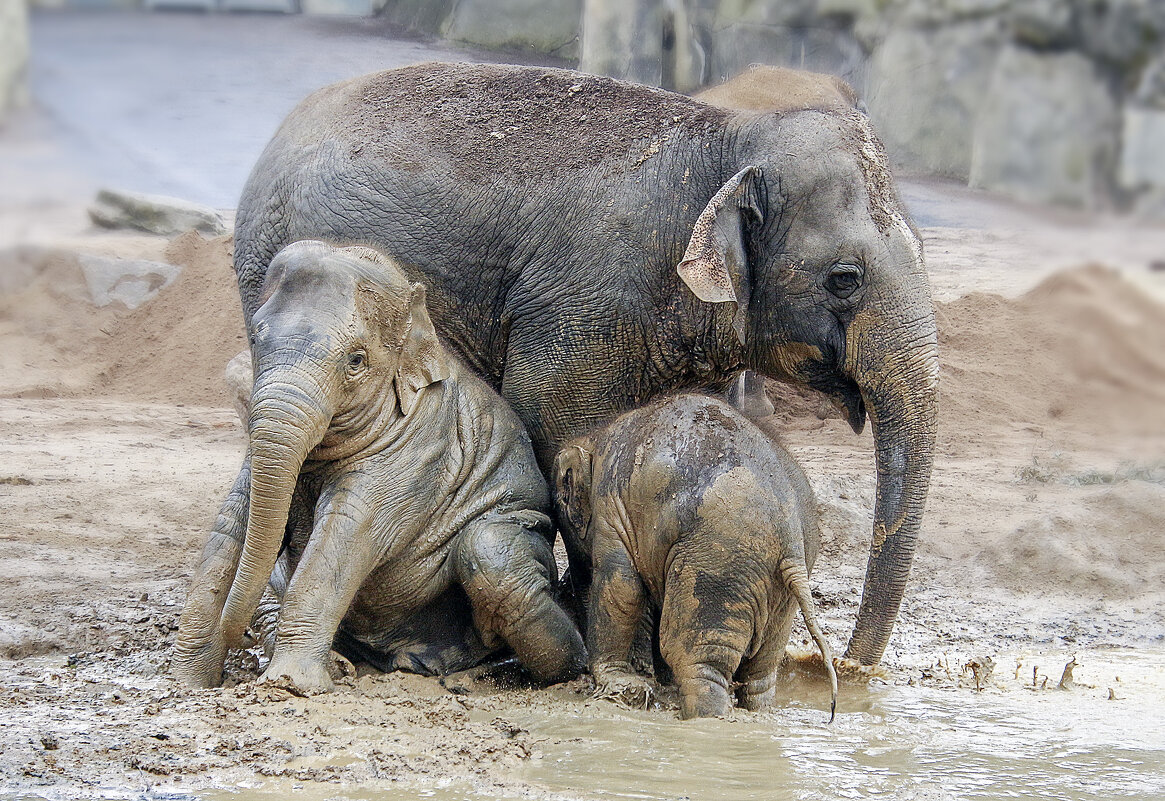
(507,573)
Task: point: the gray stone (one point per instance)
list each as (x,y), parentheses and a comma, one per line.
(154,214)
(941,12)
(926,87)
(423,16)
(1124,33)
(623,39)
(130,282)
(1047,132)
(1043,23)
(13,54)
(543,26)
(779,13)
(341,8)
(1142,162)
(1150,91)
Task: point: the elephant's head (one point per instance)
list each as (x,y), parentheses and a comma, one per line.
(342,348)
(573,497)
(824,284)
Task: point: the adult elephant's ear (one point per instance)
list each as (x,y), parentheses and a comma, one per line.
(572,485)
(422,359)
(715,265)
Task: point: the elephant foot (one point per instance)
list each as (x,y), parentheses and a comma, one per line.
(303,676)
(199,664)
(625,689)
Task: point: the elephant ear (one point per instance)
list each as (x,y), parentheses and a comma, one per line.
(572,486)
(422,359)
(715,264)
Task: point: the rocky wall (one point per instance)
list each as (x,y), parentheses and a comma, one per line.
(13,54)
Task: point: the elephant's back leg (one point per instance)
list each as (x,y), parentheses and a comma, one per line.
(757,676)
(706,627)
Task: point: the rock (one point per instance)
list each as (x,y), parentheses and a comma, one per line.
(341,8)
(1043,23)
(423,16)
(1150,91)
(780,13)
(130,282)
(623,39)
(1123,33)
(941,12)
(926,88)
(1047,132)
(154,214)
(1142,160)
(13,53)
(544,26)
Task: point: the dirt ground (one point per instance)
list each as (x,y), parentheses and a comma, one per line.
(117,442)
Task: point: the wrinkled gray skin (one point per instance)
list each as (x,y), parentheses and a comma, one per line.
(688,508)
(413,508)
(589,245)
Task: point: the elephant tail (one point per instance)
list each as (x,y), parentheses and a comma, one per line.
(796,577)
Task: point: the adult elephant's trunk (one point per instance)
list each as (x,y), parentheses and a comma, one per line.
(288,418)
(894,359)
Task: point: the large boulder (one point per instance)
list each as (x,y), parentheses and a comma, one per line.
(1048,131)
(130,282)
(154,214)
(926,90)
(13,53)
(544,26)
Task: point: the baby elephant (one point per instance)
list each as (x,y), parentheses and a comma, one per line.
(398,493)
(689,506)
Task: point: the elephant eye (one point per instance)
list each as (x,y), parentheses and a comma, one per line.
(356,361)
(843,279)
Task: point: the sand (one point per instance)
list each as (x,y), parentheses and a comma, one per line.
(117,442)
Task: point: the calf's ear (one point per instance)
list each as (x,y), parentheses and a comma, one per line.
(715,264)
(572,485)
(422,359)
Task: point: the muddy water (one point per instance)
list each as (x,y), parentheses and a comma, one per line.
(931,740)
(901,742)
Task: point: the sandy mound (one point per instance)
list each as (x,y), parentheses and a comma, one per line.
(1085,346)
(171,349)
(1100,542)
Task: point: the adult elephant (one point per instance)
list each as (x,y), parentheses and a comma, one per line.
(590,244)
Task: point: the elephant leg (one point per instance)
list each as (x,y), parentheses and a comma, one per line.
(508,572)
(618,606)
(200,649)
(338,557)
(757,675)
(703,637)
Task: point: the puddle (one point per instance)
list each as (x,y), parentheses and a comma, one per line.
(901,742)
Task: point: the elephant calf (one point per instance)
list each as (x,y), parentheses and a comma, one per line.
(401,491)
(688,505)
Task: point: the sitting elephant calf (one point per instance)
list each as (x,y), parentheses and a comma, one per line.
(400,489)
(688,505)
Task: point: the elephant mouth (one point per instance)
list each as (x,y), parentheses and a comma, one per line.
(846,396)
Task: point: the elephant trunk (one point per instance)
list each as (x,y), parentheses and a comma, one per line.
(288,419)
(900,392)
